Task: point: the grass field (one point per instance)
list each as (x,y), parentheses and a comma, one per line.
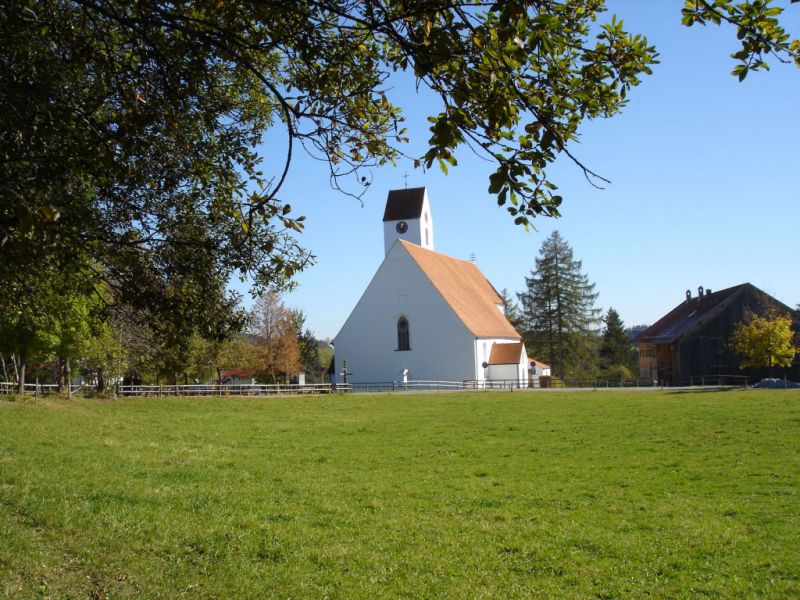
(498,495)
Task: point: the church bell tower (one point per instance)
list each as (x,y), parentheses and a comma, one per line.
(408,217)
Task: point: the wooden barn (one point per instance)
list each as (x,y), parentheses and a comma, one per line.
(693,339)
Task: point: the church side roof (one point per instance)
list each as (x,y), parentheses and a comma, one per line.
(466,290)
(505,354)
(404,204)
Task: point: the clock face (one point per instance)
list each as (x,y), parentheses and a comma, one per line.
(401,227)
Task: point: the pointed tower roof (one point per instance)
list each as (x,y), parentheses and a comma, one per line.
(404,204)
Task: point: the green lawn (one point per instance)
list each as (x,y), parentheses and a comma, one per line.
(455,495)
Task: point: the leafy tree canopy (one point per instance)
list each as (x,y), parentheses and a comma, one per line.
(758,29)
(128,129)
(274,327)
(765,341)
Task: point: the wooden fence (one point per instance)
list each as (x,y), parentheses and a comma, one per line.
(256,389)
(38,389)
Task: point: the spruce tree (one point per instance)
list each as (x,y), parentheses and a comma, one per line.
(559,318)
(511,309)
(617,357)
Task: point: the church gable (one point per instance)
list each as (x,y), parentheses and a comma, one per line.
(402,325)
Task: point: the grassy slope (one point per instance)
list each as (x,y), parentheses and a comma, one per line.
(495,494)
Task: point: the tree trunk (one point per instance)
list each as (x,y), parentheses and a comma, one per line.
(101,381)
(5,372)
(14,359)
(60,378)
(68,377)
(21,359)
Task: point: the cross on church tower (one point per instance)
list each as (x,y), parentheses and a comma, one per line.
(405,177)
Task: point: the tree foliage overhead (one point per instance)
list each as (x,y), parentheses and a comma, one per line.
(122,121)
(122,118)
(758,29)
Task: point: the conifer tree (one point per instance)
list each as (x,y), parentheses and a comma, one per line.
(559,318)
(511,309)
(617,357)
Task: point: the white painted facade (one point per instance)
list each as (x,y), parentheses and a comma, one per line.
(505,373)
(483,350)
(419,232)
(442,348)
(510,372)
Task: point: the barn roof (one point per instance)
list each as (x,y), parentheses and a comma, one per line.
(538,363)
(687,315)
(404,204)
(505,354)
(465,290)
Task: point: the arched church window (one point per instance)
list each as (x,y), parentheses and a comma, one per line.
(427,243)
(403,342)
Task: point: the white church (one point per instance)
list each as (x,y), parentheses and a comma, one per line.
(426,316)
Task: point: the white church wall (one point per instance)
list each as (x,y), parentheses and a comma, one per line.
(441,347)
(504,372)
(483,350)
(524,364)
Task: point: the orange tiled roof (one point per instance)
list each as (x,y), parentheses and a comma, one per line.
(466,290)
(505,354)
(537,363)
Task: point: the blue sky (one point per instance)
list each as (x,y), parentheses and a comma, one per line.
(705,187)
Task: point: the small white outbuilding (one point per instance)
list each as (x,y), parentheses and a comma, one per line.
(426,316)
